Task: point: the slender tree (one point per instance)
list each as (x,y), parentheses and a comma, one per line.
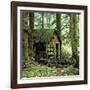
(74,35)
(58,27)
(42,20)
(25,28)
(30,33)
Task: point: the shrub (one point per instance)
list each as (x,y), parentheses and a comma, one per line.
(44,71)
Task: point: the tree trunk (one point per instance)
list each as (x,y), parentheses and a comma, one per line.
(25,40)
(31,25)
(42,20)
(73,34)
(58,25)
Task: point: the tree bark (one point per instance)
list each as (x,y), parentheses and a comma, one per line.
(31,25)
(58,26)
(73,34)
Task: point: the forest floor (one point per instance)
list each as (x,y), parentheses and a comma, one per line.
(45,71)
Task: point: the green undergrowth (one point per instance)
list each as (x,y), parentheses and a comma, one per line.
(44,71)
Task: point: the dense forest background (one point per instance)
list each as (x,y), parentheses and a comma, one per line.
(50,44)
